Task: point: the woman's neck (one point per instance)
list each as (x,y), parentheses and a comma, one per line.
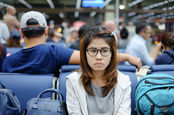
(98,81)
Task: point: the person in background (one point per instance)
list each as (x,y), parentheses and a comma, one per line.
(10,19)
(51,24)
(3,53)
(55,38)
(137,45)
(36,57)
(82,30)
(110,25)
(14,40)
(123,42)
(50,35)
(167,56)
(4,32)
(73,36)
(99,87)
(121,26)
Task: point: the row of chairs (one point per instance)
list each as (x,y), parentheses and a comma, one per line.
(27,86)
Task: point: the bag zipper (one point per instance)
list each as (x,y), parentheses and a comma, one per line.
(147,81)
(12,97)
(151,78)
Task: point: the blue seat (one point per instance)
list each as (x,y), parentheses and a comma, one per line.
(133,79)
(62,83)
(26,86)
(68,68)
(168,69)
(126,69)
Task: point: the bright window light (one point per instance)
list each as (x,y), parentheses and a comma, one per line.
(122,7)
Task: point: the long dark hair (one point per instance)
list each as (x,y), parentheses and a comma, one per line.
(110,75)
(2,52)
(168,40)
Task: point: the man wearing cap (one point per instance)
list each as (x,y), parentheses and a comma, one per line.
(37,57)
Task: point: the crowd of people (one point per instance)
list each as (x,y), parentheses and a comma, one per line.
(93,47)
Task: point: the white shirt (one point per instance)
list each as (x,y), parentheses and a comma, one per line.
(137,47)
(4,32)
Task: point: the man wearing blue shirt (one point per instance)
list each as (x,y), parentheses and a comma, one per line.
(37,57)
(137,45)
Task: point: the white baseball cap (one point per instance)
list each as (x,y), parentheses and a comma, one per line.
(33,15)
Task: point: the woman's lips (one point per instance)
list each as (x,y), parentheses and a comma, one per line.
(99,64)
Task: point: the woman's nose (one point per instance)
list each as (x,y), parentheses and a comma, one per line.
(98,56)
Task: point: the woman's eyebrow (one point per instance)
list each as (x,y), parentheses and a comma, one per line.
(99,48)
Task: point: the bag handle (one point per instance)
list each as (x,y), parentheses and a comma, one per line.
(52,91)
(2,85)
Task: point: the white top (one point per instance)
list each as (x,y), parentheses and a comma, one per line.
(76,95)
(4,32)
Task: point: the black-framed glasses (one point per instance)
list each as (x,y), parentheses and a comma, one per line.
(103,51)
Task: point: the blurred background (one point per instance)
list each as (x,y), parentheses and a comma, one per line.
(75,13)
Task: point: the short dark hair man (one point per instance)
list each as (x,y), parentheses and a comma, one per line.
(137,46)
(37,57)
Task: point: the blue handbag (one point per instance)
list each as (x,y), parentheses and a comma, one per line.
(9,104)
(46,106)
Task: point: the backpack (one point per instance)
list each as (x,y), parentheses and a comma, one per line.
(154,95)
(9,104)
(46,106)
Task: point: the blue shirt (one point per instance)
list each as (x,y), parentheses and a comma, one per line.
(167,57)
(39,59)
(137,47)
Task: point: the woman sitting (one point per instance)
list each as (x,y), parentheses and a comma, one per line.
(167,43)
(99,88)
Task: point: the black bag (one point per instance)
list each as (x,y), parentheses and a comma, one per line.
(46,106)
(9,104)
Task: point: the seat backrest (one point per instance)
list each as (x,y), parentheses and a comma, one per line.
(69,68)
(133,79)
(168,69)
(26,86)
(128,70)
(62,83)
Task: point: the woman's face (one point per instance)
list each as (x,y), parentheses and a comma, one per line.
(98,54)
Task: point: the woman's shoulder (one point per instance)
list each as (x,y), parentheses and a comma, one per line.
(75,76)
(123,80)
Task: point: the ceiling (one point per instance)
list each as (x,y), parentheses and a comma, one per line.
(134,9)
